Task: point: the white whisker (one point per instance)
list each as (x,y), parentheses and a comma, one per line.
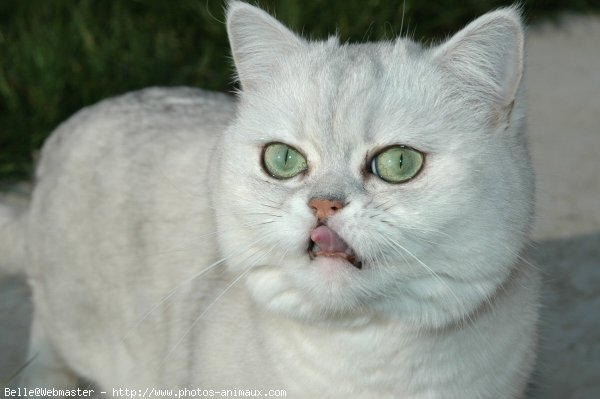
(186,281)
(441,281)
(225,290)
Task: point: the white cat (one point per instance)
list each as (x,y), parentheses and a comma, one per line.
(351,226)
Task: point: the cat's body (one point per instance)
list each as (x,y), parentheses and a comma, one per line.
(138,195)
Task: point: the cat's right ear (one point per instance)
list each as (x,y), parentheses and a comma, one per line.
(258,43)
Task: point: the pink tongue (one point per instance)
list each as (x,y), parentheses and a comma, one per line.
(328,240)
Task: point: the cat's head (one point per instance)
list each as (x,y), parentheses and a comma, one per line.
(374,178)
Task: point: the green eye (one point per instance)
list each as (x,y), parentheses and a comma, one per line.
(282,161)
(397,164)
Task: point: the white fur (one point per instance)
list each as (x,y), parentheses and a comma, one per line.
(138,194)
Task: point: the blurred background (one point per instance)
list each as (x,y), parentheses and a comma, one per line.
(60,55)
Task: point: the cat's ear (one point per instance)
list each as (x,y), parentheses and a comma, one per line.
(487,57)
(258,42)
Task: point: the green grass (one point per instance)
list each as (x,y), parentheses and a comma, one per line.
(57,56)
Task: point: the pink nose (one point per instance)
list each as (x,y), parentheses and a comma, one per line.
(324,208)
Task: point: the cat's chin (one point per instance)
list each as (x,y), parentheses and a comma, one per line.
(334,261)
(333,267)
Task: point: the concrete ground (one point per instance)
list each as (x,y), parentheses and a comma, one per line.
(563,83)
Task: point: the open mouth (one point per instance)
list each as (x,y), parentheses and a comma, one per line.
(325,242)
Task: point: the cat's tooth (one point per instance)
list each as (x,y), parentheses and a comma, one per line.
(316,247)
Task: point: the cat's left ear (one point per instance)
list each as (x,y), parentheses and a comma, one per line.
(487,57)
(258,43)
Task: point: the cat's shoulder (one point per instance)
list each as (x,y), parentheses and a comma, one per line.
(153,117)
(166,105)
(163,101)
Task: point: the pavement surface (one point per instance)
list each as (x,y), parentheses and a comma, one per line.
(563,85)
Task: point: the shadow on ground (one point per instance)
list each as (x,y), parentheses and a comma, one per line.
(569,357)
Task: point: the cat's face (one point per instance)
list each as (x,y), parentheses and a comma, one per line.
(362,178)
